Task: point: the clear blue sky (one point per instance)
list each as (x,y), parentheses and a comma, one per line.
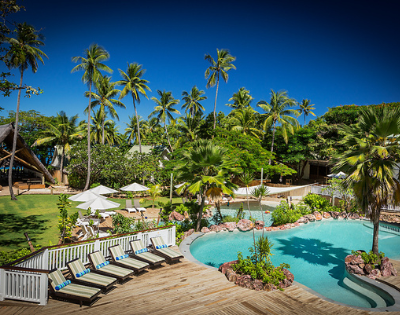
(331,52)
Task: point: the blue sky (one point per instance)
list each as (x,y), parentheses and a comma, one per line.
(331,52)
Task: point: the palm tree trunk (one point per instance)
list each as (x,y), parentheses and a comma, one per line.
(200,213)
(375,247)
(102,127)
(88,147)
(138,128)
(169,142)
(273,138)
(215,104)
(62,165)
(10,181)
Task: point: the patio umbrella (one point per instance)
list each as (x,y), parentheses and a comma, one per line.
(135,187)
(102,190)
(86,196)
(338,175)
(100,203)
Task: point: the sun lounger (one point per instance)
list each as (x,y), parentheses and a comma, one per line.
(84,276)
(62,288)
(121,259)
(160,248)
(129,207)
(137,205)
(103,267)
(94,233)
(141,252)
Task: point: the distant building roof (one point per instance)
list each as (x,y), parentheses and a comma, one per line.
(145,149)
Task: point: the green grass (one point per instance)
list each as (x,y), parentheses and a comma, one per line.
(37,215)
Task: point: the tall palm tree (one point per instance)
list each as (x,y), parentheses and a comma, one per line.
(192,101)
(371,162)
(64,132)
(219,67)
(278,111)
(23,53)
(131,131)
(189,128)
(134,84)
(105,91)
(243,120)
(306,108)
(204,168)
(241,99)
(91,64)
(164,110)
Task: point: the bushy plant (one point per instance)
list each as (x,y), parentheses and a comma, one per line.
(9,256)
(333,208)
(182,208)
(122,224)
(316,202)
(240,212)
(229,218)
(284,214)
(370,258)
(167,208)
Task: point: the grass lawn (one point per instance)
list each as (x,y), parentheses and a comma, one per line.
(37,215)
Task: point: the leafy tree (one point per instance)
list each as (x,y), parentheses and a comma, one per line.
(22,54)
(164,110)
(243,120)
(63,132)
(134,84)
(131,131)
(277,111)
(155,191)
(240,99)
(371,160)
(91,64)
(189,127)
(306,108)
(192,101)
(105,91)
(219,67)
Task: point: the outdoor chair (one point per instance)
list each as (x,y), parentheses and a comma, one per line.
(160,248)
(83,276)
(93,233)
(137,205)
(103,267)
(121,259)
(142,253)
(64,289)
(129,207)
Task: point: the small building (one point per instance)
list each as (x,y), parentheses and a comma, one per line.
(149,149)
(316,170)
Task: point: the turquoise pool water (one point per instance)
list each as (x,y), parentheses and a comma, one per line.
(315,252)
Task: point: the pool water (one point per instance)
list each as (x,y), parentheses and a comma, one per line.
(314,251)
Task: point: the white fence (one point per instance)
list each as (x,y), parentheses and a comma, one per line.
(27,280)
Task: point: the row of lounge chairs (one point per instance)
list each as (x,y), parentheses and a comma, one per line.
(135,208)
(85,284)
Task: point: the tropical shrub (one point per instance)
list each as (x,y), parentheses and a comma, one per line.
(9,256)
(122,224)
(229,218)
(315,202)
(284,214)
(370,258)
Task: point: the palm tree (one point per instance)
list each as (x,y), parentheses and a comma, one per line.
(277,111)
(105,91)
(246,178)
(23,53)
(217,68)
(241,99)
(63,132)
(91,64)
(192,101)
(371,162)
(306,108)
(133,83)
(164,110)
(131,131)
(204,168)
(154,192)
(243,120)
(189,128)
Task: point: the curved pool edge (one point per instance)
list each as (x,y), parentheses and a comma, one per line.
(184,248)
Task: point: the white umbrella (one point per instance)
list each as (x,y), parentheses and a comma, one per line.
(135,187)
(86,196)
(99,204)
(180,185)
(338,175)
(102,190)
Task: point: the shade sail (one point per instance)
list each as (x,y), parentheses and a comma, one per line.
(272,190)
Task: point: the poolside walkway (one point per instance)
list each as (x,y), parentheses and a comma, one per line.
(188,288)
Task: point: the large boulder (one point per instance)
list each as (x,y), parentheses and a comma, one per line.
(302,220)
(205,229)
(335,214)
(222,227)
(225,266)
(368,269)
(310,217)
(387,268)
(326,215)
(230,226)
(317,215)
(289,276)
(353,216)
(357,260)
(231,275)
(259,225)
(175,216)
(355,269)
(245,225)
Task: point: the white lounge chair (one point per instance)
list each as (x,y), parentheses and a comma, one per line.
(129,207)
(137,205)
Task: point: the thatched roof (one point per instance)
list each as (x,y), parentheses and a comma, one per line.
(24,156)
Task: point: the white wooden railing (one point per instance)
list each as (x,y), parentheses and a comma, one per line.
(26,278)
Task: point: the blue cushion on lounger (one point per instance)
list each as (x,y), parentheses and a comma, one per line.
(80,274)
(161,246)
(102,264)
(122,257)
(143,250)
(62,285)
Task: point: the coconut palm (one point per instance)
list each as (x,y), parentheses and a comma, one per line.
(278,111)
(91,64)
(105,91)
(192,101)
(243,120)
(154,192)
(219,67)
(131,131)
(64,132)
(134,84)
(204,168)
(371,162)
(22,54)
(164,110)
(306,109)
(189,126)
(240,99)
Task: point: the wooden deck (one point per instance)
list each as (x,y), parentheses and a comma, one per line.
(187,288)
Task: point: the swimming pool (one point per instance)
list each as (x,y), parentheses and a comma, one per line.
(314,251)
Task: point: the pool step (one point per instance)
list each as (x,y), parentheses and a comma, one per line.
(368,294)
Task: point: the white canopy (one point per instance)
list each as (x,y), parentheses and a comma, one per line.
(85,196)
(338,175)
(180,185)
(272,190)
(99,204)
(102,190)
(135,187)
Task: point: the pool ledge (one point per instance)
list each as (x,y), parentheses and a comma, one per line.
(184,248)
